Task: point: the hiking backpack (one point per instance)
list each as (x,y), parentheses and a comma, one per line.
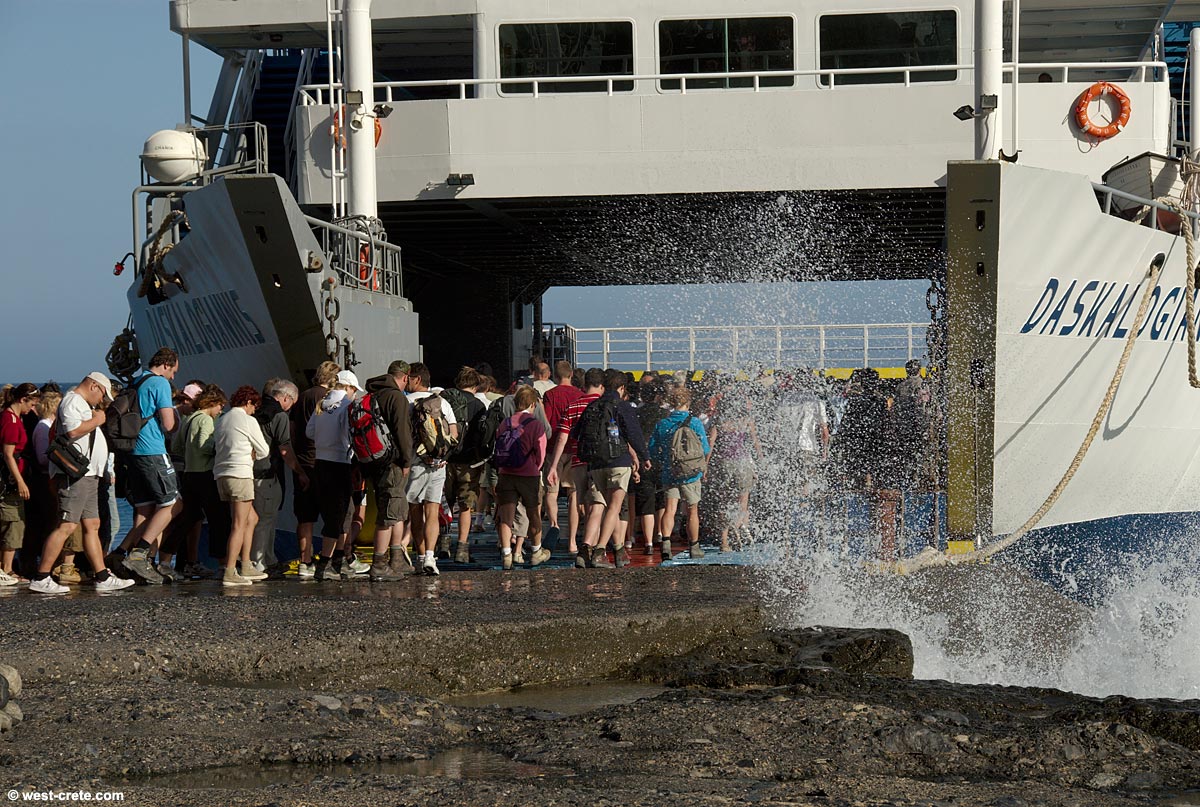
(432,441)
(467,451)
(687,452)
(370,438)
(123,419)
(601,436)
(509,452)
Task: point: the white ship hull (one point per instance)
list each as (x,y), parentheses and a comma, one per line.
(1044,287)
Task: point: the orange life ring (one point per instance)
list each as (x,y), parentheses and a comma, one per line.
(340,136)
(366,271)
(1091,94)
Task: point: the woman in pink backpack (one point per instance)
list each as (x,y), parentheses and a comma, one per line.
(519,456)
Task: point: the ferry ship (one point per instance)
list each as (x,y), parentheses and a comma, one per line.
(377,179)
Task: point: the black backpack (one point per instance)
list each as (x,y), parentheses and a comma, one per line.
(123,419)
(601,434)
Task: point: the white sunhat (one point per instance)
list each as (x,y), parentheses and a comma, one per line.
(105,384)
(346,378)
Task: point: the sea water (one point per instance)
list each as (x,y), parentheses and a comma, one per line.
(1084,609)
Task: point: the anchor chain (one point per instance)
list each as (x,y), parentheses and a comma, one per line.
(331,306)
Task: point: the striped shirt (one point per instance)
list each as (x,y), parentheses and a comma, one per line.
(567,424)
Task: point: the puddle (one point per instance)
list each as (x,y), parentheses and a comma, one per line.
(457,763)
(564,698)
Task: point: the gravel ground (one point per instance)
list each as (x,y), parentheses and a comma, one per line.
(297,694)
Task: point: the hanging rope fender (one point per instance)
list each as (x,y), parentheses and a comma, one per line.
(931,557)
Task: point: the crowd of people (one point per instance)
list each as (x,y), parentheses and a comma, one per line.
(651,465)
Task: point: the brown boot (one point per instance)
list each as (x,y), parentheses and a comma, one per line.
(399,561)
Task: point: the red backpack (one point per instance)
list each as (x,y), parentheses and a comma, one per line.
(370,438)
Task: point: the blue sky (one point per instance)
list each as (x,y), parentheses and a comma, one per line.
(88,80)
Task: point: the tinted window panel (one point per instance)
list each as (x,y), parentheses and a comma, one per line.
(902,39)
(754,44)
(566,49)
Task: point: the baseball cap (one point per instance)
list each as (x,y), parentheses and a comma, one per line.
(105,384)
(347,378)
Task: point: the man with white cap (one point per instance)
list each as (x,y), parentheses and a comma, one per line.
(80,416)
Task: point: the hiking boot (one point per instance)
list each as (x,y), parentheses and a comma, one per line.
(68,575)
(399,561)
(666,549)
(506,561)
(429,566)
(539,556)
(381,572)
(695,552)
(113,583)
(621,557)
(443,546)
(306,571)
(232,579)
(600,560)
(463,553)
(170,575)
(138,565)
(583,559)
(47,586)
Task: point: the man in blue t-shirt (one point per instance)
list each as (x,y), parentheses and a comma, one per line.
(151,485)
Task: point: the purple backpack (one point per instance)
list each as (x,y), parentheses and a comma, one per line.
(509,452)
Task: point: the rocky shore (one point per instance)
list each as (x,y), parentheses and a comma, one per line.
(303,695)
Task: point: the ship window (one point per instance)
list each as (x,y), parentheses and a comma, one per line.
(753,44)
(899,39)
(566,49)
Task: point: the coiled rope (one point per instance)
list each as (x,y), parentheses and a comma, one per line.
(153,275)
(1190,170)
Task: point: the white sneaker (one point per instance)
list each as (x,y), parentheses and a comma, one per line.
(429,566)
(305,571)
(233,579)
(113,583)
(357,566)
(47,586)
(7,579)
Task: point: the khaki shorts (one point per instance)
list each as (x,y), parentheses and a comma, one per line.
(78,500)
(12,522)
(688,491)
(462,484)
(587,492)
(391,505)
(235,489)
(607,479)
(566,480)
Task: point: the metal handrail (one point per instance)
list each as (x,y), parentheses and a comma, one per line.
(315,94)
(1108,193)
(307,59)
(381,272)
(735,346)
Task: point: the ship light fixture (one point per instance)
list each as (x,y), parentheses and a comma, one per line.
(460,180)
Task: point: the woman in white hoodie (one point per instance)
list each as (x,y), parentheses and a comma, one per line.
(239,441)
(329,429)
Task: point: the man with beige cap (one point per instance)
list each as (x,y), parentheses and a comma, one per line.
(80,416)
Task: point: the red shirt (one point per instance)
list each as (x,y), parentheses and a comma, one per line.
(567,423)
(12,433)
(556,400)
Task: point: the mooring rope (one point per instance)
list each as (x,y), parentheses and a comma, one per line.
(153,269)
(1190,170)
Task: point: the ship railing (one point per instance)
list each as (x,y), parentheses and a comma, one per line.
(1137,206)
(243,102)
(733,347)
(755,81)
(360,260)
(307,59)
